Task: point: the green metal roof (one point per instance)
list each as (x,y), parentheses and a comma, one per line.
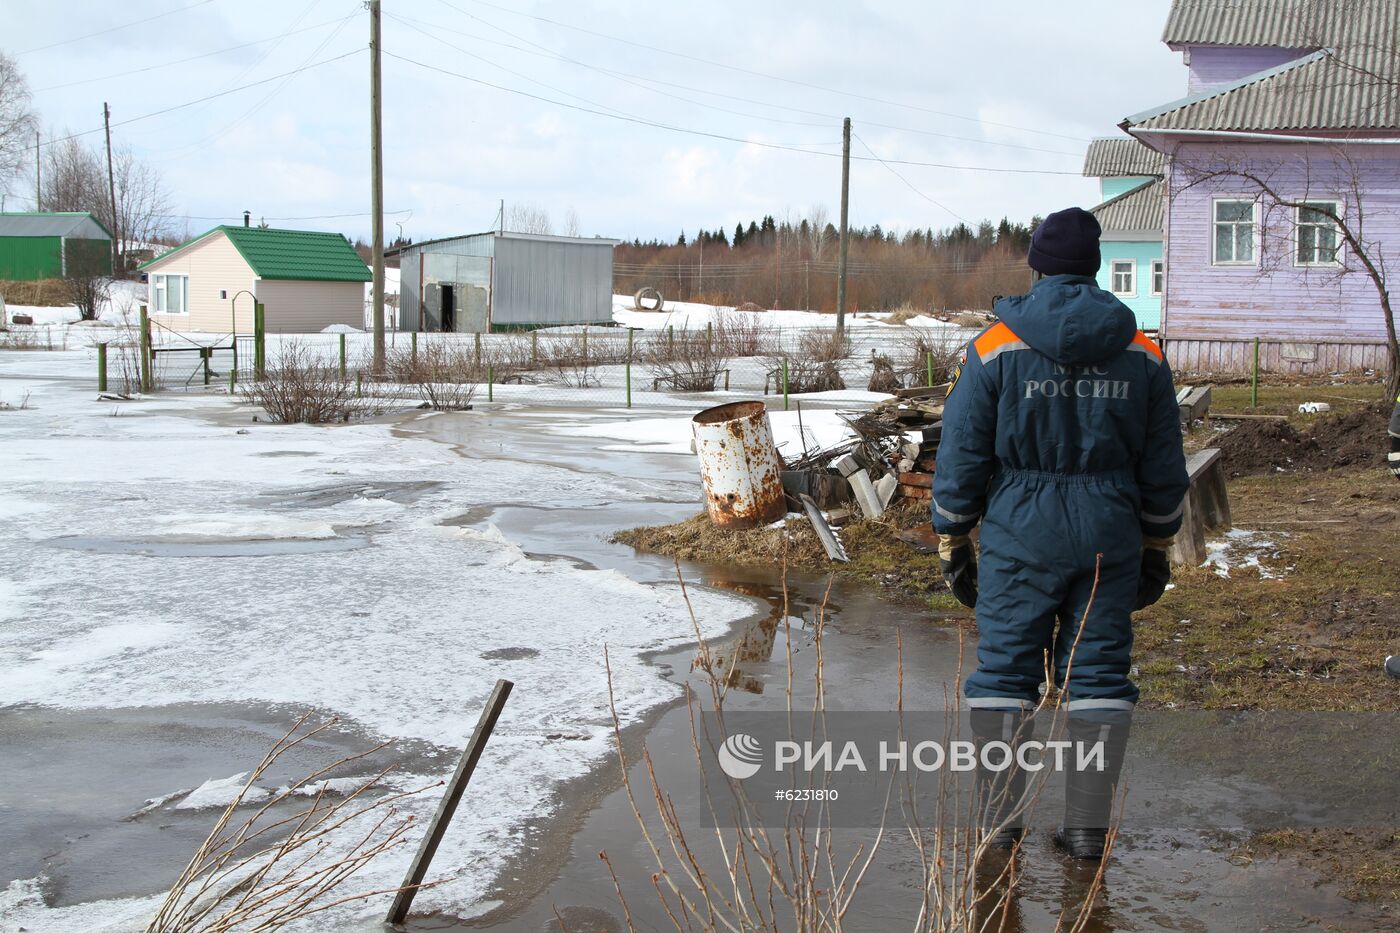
(307,255)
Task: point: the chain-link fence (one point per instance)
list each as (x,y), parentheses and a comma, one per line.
(622,367)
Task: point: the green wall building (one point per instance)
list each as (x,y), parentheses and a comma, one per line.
(49,246)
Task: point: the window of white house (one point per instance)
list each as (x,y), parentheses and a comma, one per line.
(1123,277)
(1318,239)
(1234,233)
(1159,276)
(170,294)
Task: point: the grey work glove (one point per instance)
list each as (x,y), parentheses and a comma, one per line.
(959,566)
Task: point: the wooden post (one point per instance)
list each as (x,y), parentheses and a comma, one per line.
(629,367)
(1254,379)
(670,341)
(418,868)
(534,348)
(102,367)
(929,363)
(376,190)
(204,354)
(709,335)
(359,390)
(845,215)
(785,384)
(585,344)
(413,342)
(259,341)
(477,342)
(490,383)
(342,357)
(146,380)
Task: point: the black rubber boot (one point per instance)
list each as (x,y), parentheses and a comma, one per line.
(1089,794)
(1000,793)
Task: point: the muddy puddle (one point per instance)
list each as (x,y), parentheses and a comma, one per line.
(1158,880)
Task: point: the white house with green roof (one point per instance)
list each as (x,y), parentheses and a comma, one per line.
(1130,183)
(306,281)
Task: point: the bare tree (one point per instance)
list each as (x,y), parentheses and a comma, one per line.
(571,223)
(76,180)
(17,121)
(529,218)
(143,202)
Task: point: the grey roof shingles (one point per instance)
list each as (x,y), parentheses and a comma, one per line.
(1344,79)
(1136,211)
(78,225)
(1120,156)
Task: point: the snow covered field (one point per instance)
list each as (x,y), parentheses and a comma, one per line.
(171,551)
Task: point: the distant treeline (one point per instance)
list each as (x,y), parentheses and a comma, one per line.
(792,263)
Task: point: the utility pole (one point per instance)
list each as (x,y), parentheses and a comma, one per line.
(845,216)
(376,186)
(38,173)
(502,228)
(117,269)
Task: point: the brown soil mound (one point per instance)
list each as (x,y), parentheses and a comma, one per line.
(1355,439)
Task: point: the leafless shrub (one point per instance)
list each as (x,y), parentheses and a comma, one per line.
(573,358)
(273,869)
(688,361)
(21,337)
(298,386)
(443,375)
(923,354)
(824,346)
(737,334)
(882,375)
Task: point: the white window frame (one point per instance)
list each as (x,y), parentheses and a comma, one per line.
(1215,260)
(160,293)
(1157,280)
(1298,225)
(1113,264)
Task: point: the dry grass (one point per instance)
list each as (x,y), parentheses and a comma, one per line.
(746,873)
(273,868)
(43,293)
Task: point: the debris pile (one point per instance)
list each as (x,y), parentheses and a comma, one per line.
(889,457)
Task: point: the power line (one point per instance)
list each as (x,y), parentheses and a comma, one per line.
(604,107)
(178,151)
(208,97)
(626,78)
(760,74)
(103,32)
(906,181)
(735,139)
(192,58)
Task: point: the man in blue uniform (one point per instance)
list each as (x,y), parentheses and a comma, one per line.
(1061,436)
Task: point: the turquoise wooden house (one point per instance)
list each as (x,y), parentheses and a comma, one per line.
(1130,183)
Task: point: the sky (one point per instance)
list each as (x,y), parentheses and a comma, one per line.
(556,105)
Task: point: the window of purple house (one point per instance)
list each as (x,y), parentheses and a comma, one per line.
(1318,241)
(1234,223)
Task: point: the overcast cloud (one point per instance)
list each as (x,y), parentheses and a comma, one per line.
(1046,76)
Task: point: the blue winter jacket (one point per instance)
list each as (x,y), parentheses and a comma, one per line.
(1064,384)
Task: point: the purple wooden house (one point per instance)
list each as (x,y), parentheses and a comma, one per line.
(1292,120)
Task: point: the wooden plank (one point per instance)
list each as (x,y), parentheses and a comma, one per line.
(456,785)
(938,391)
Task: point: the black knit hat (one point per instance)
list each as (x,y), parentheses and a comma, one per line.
(1066,243)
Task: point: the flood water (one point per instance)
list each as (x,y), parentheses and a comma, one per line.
(1157,879)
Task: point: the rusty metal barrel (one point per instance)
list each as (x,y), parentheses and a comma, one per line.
(739,465)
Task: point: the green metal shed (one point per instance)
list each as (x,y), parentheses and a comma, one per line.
(47,246)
